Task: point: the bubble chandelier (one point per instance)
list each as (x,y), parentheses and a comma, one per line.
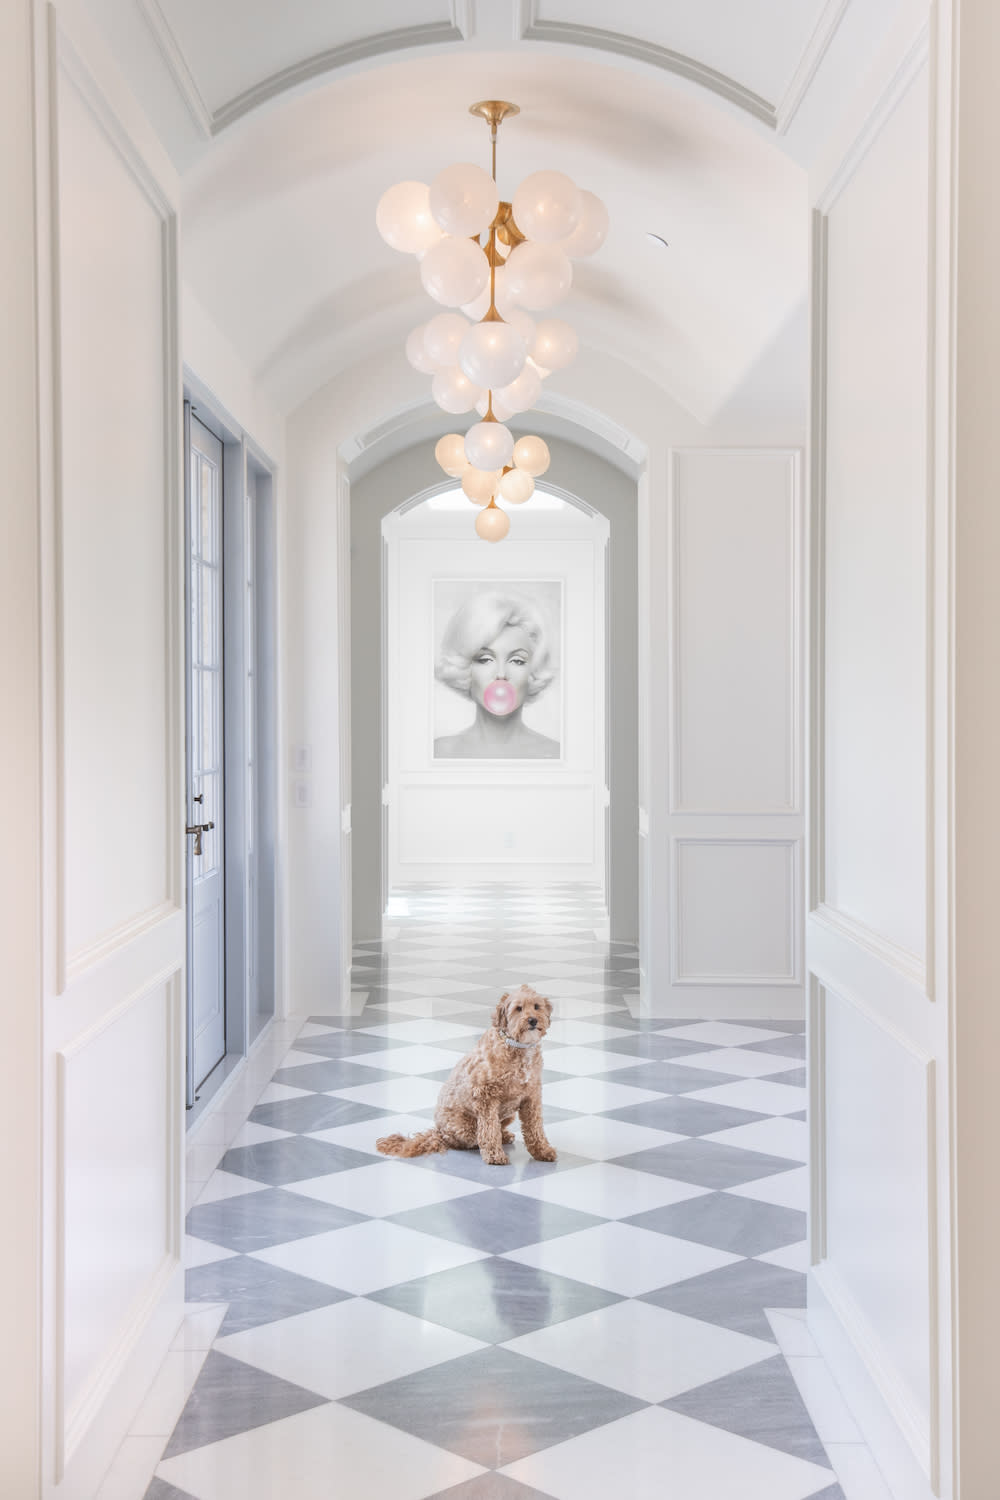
(493,263)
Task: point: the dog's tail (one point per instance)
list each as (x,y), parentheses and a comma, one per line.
(411,1145)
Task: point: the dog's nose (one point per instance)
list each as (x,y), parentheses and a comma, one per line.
(533,1021)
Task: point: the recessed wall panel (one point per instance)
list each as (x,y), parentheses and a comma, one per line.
(875,702)
(112,534)
(491,823)
(736,911)
(735,626)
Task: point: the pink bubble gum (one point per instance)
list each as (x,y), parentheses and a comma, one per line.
(500,698)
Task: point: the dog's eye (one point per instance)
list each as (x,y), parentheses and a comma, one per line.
(516,1009)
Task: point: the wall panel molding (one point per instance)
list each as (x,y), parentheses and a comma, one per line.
(789,919)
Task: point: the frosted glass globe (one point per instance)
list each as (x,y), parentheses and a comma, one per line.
(532,455)
(521,394)
(489,445)
(492,524)
(442,336)
(540,370)
(464,199)
(501,410)
(517,486)
(479,485)
(555,344)
(523,322)
(450,454)
(454,271)
(536,275)
(591,229)
(480,306)
(404,220)
(547,206)
(417,354)
(492,354)
(453,392)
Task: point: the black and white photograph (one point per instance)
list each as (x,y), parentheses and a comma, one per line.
(497,669)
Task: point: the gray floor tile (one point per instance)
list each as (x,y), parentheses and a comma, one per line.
(337,1073)
(761,1403)
(495,1300)
(781,1046)
(370,1016)
(347,1044)
(161,1490)
(230,1397)
(256,1292)
(522,1167)
(667,1078)
(293,1160)
(490,1487)
(706,1163)
(649,1044)
(797,1077)
(832,1492)
(313,1112)
(256,1221)
(696,1116)
(493,1407)
(743,1226)
(496,1221)
(735,1296)
(800,1114)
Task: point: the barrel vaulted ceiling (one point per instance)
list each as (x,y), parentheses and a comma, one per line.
(693,119)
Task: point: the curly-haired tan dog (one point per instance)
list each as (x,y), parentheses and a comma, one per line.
(500,1077)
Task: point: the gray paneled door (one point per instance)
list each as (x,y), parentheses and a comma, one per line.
(205,790)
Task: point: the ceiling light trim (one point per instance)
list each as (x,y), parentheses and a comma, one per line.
(569,33)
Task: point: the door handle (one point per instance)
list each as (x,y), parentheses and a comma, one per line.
(198,829)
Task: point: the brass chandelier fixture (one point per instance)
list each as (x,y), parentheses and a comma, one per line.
(494,263)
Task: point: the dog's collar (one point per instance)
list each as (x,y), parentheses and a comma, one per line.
(522,1046)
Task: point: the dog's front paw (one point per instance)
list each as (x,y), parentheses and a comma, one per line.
(546,1153)
(508,1138)
(496,1159)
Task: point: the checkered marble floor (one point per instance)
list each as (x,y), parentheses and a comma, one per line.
(614,1322)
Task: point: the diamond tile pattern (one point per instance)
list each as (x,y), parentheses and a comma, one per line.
(438,1329)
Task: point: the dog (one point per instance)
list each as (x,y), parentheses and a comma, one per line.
(500,1077)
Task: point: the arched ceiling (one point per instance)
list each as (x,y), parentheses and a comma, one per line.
(693,119)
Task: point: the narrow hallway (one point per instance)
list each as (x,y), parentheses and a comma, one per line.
(387,1330)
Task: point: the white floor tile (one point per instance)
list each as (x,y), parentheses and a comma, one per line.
(349,1347)
(429,1007)
(398,1094)
(643,1350)
(824,1401)
(723,1033)
(789,1257)
(252,1135)
(622,1258)
(579,1032)
(430,1029)
(655,1453)
(791,1330)
(593,1095)
(775,1137)
(362,1135)
(599,1137)
(613,1192)
(763,1095)
(298,1456)
(227,1185)
(129,1475)
(386,1187)
(365,1257)
(571,989)
(276,1092)
(743,1064)
(584,1061)
(408,1060)
(314,1028)
(201,1159)
(296,1059)
(165,1401)
(200,1325)
(202,1253)
(859,1474)
(784,1189)
(437,987)
(193,1188)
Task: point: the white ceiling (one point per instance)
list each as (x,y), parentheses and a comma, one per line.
(692,118)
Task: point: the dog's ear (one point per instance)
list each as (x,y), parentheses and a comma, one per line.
(548,1007)
(500,1014)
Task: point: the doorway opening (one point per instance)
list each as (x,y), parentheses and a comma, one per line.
(231,804)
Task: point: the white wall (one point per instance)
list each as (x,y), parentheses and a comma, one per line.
(877,932)
(479,821)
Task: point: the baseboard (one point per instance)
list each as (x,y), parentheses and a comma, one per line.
(95,1451)
(852,1365)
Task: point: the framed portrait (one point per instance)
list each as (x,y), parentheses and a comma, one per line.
(497,690)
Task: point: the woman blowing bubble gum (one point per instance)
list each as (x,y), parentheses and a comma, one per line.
(494,652)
